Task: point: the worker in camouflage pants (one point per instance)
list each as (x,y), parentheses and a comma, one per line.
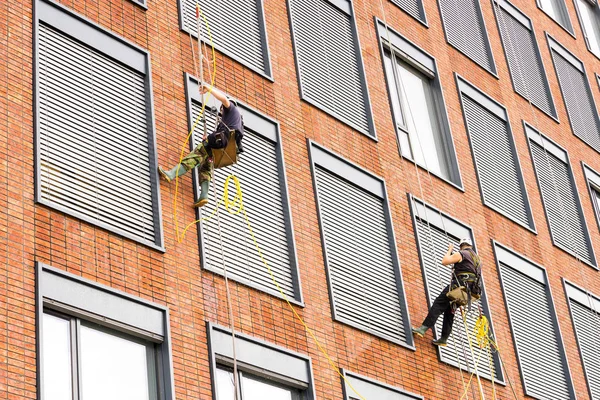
(230,119)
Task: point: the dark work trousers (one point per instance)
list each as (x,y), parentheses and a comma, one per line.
(442,305)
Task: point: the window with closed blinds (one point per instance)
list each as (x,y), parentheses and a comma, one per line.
(465,30)
(585,309)
(262,176)
(544,371)
(359,248)
(560,197)
(577,95)
(237,28)
(593,182)
(414,8)
(494,154)
(95,155)
(329,63)
(523,56)
(432,245)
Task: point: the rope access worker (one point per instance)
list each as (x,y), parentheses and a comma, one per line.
(466,273)
(230,120)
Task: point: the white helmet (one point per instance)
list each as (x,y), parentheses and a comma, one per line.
(466,241)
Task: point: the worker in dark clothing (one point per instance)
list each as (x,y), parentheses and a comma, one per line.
(465,273)
(229,120)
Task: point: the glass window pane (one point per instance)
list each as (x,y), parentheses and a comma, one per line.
(253,389)
(424,132)
(225,388)
(549,7)
(596,201)
(56,366)
(112,367)
(590,22)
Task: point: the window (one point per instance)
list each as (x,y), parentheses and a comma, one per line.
(560,197)
(418,106)
(251,387)
(265,371)
(523,56)
(95,155)
(262,176)
(103,356)
(414,8)
(577,94)
(465,30)
(330,72)
(432,244)
(589,17)
(362,265)
(584,308)
(370,389)
(97,343)
(237,29)
(593,183)
(557,10)
(495,155)
(544,368)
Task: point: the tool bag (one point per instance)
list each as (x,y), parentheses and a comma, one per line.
(227,155)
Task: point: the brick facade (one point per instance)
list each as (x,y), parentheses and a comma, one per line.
(30,232)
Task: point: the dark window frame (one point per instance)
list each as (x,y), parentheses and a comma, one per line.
(253,122)
(574,292)
(493,71)
(370,388)
(565,11)
(121,50)
(375,185)
(415,56)
(502,252)
(485,101)
(524,20)
(562,51)
(124,316)
(593,183)
(371,132)
(267,73)
(456,228)
(282,366)
(583,31)
(532,134)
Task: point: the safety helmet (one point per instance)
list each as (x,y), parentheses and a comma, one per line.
(466,241)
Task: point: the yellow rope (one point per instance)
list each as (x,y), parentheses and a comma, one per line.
(235,205)
(194,125)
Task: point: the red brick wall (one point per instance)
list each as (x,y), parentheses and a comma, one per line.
(29,232)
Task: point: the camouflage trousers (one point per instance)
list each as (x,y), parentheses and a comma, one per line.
(200,157)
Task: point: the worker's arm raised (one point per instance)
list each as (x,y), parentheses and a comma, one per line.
(219,95)
(450,258)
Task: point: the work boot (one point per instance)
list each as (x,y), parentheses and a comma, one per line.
(420,330)
(203,195)
(442,341)
(173,173)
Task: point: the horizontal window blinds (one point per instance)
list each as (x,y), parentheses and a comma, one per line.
(587,329)
(236,27)
(578,101)
(93,137)
(561,202)
(497,165)
(363,277)
(433,245)
(465,30)
(330,68)
(532,319)
(524,61)
(413,7)
(262,182)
